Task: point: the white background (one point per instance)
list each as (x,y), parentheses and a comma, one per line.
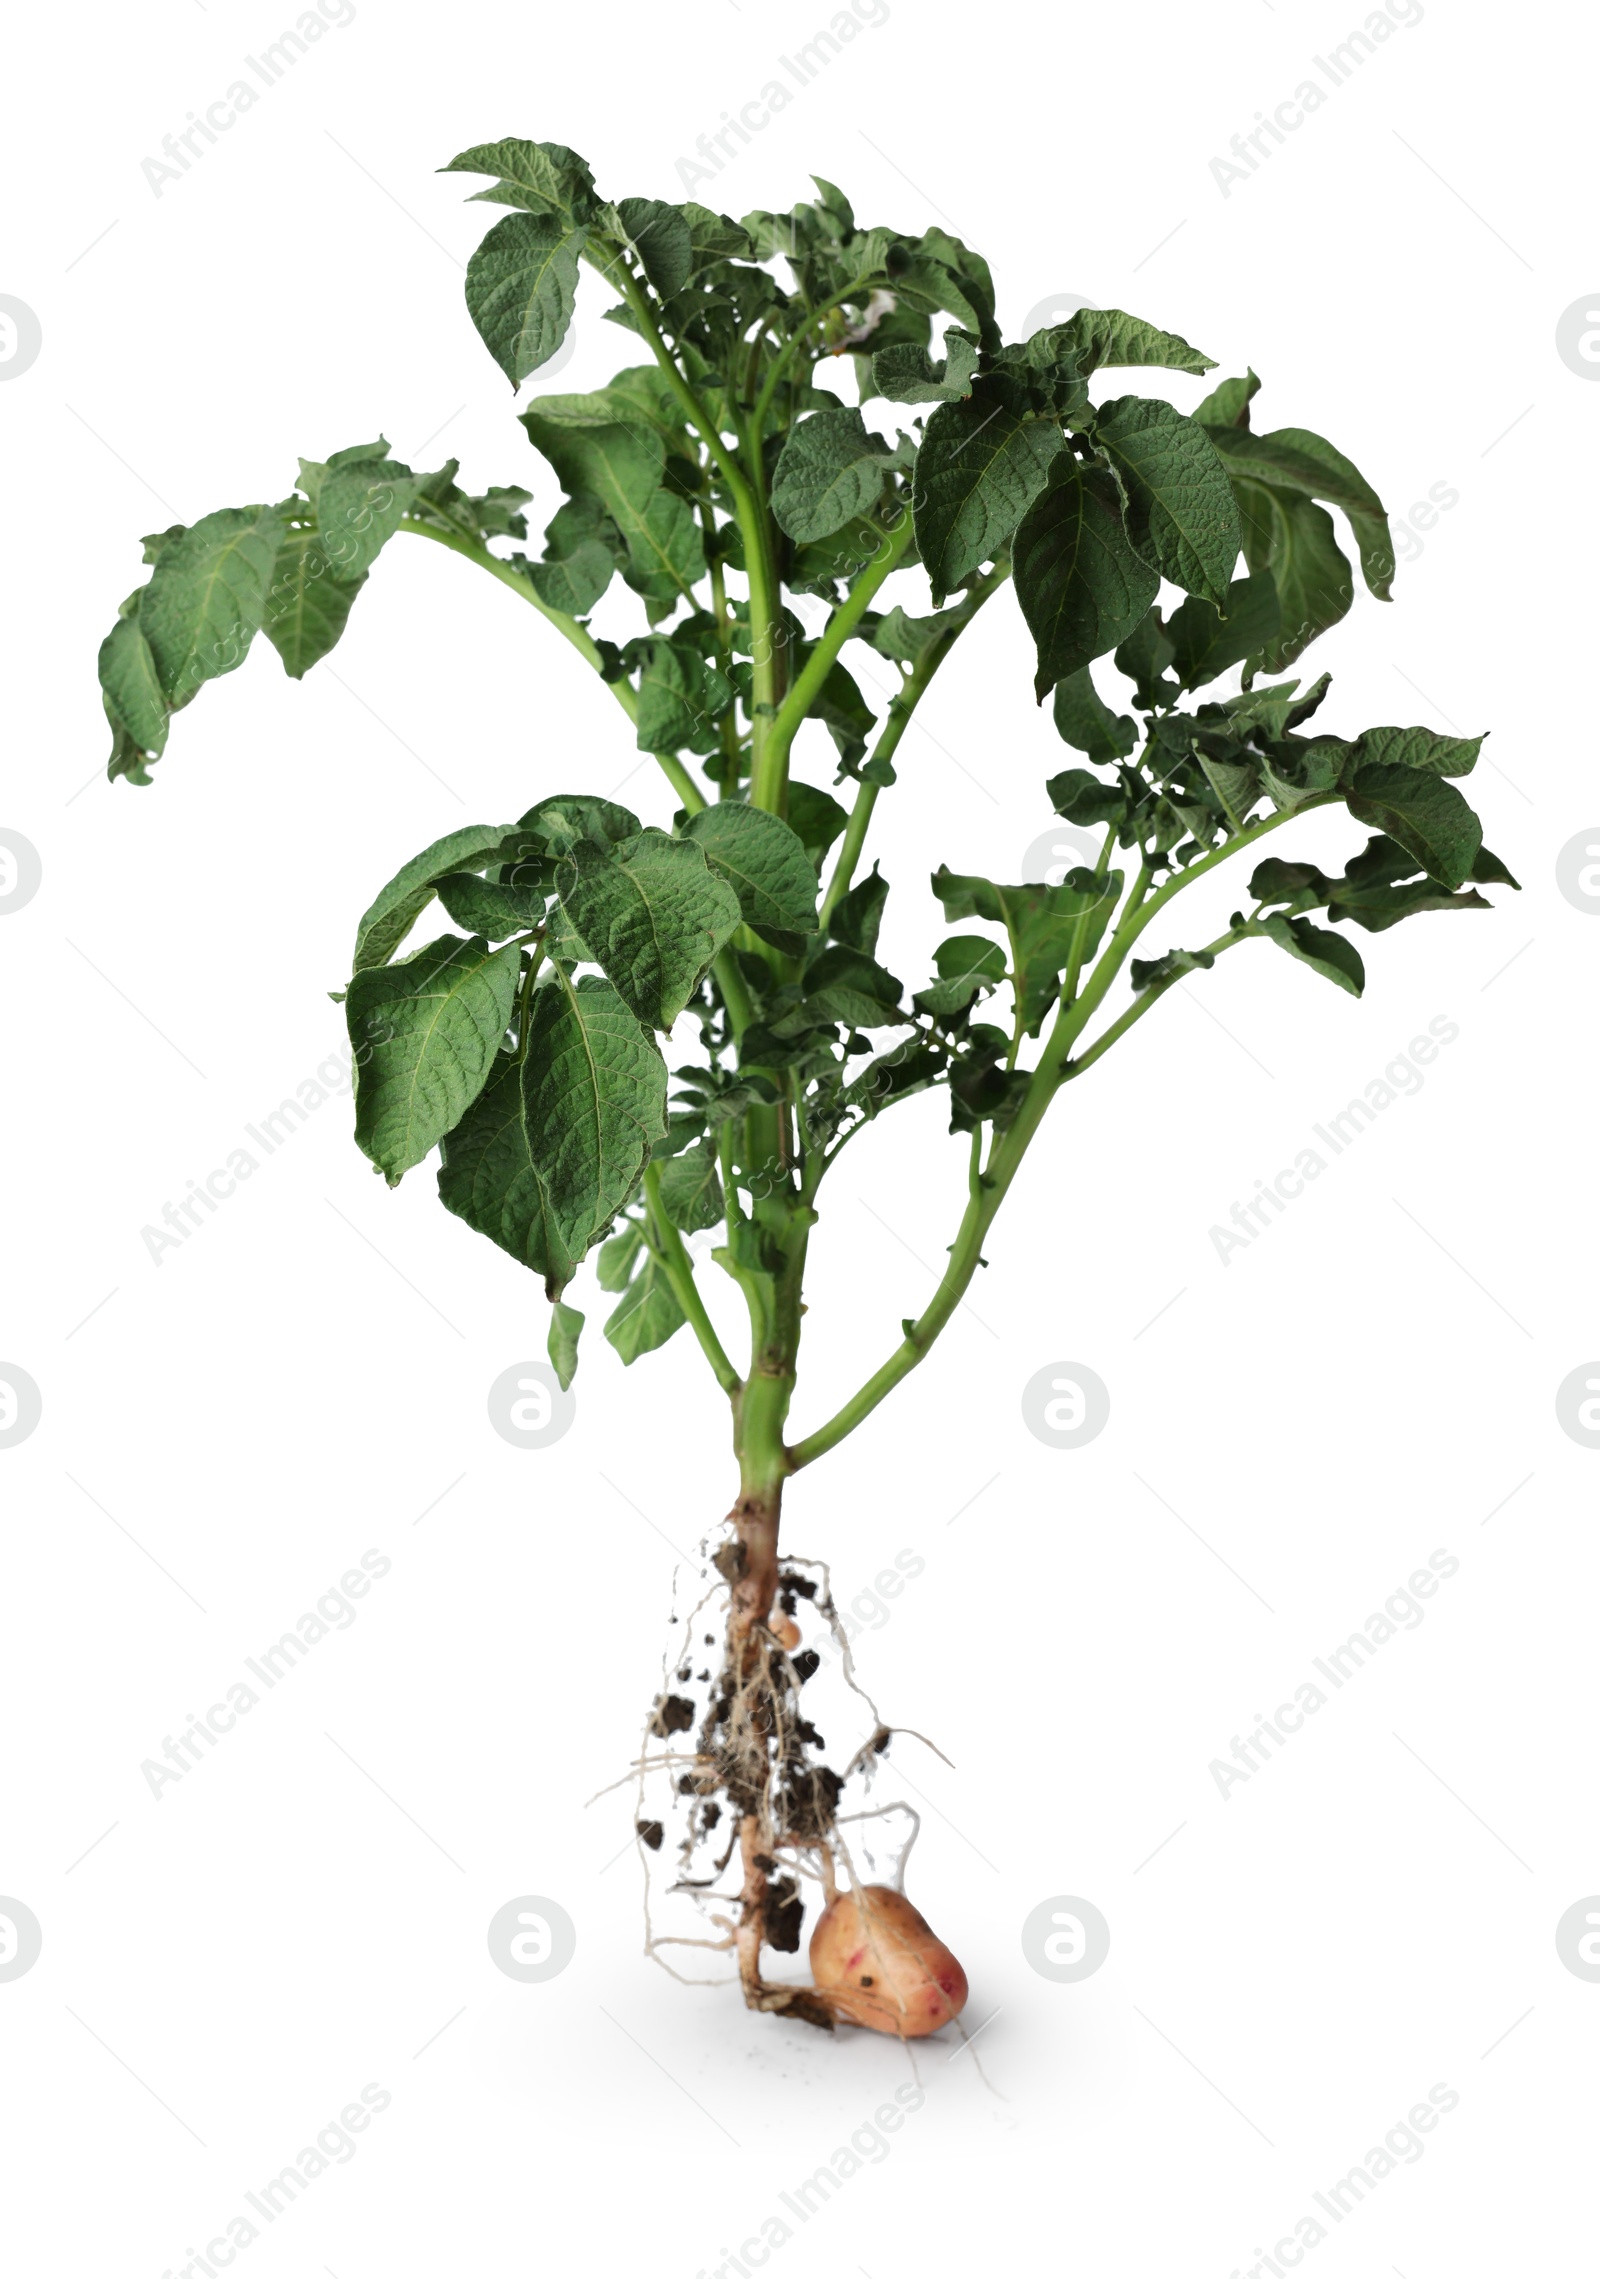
(305,1379)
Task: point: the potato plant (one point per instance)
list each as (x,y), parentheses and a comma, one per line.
(620,1031)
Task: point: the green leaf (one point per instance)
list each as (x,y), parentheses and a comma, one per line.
(765,862)
(849,720)
(207,595)
(716,237)
(1041,922)
(1228,404)
(520,288)
(906,639)
(906,374)
(1489,870)
(425,1035)
(646,1314)
(1081,586)
(621,466)
(614,1263)
(575,581)
(566,1326)
(1206,642)
(594,1091)
(308,605)
(487,1174)
(1082,798)
(830,470)
(654,915)
(577,818)
(1293,539)
(843,985)
(816,818)
(637,396)
(858,915)
(679,695)
(691,1192)
(659,236)
(395,909)
(1271,709)
(1145,656)
(968,966)
(134,699)
(1330,955)
(1301,885)
(1420,748)
(1091,338)
(982,463)
(542,177)
(485,906)
(1379,888)
(1085,721)
(1161,972)
(359,508)
(1293,459)
(1423,814)
(1181,512)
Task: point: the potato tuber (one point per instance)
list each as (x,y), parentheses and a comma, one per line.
(881,1966)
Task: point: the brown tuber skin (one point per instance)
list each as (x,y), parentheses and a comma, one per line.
(878,1964)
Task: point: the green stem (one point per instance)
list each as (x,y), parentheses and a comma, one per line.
(910,694)
(675,1262)
(747,507)
(1010,1147)
(1140,1006)
(681,780)
(786,354)
(771,769)
(509,575)
(1080,932)
(735,995)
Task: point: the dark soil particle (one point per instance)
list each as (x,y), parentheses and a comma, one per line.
(783,1914)
(672,1714)
(807,1664)
(649,1832)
